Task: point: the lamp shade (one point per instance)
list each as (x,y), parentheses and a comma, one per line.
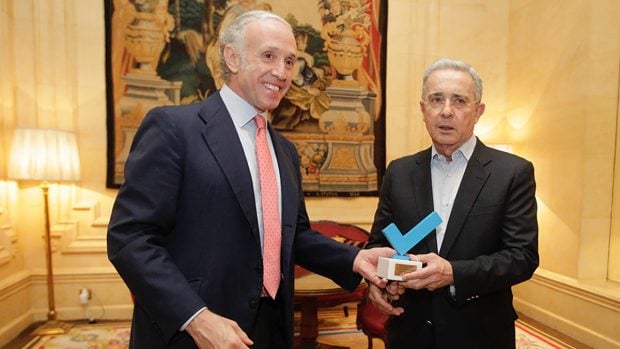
(44,155)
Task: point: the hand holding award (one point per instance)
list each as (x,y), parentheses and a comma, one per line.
(393,268)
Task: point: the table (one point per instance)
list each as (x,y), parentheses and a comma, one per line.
(311,292)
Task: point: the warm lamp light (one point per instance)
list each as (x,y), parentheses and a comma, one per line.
(45,155)
(2,165)
(507,147)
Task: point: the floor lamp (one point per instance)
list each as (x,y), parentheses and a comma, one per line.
(45,155)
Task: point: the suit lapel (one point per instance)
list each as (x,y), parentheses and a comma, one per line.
(221,138)
(423,192)
(473,180)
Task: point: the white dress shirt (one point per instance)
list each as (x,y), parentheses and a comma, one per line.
(446,179)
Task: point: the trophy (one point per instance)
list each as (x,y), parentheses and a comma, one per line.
(393,268)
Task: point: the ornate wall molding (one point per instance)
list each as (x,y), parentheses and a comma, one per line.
(586,292)
(14,284)
(85,230)
(8,238)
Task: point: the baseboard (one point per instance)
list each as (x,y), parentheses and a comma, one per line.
(23,299)
(14,328)
(109,312)
(567,307)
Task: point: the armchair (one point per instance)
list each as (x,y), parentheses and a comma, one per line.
(313,291)
(371,321)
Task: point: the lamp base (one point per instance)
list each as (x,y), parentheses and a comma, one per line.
(51,327)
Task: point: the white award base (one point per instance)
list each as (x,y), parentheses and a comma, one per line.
(393,268)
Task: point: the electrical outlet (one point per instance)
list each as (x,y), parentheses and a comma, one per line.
(85,295)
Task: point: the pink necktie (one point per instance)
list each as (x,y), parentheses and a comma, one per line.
(271,214)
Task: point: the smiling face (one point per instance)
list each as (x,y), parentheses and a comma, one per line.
(451,123)
(261,73)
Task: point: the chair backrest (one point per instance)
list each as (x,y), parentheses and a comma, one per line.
(369,319)
(345,233)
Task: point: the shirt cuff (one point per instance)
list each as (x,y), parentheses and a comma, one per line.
(192,318)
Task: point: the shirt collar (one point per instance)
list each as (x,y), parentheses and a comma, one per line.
(466,149)
(240,111)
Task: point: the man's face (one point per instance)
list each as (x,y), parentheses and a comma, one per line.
(450,109)
(262,72)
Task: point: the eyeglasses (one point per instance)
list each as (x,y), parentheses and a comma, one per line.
(438,100)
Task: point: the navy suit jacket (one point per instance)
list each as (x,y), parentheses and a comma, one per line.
(183,233)
(491,241)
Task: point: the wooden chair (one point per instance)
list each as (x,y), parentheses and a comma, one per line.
(313,292)
(347,234)
(369,319)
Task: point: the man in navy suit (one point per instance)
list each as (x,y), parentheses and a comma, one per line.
(186,231)
(488,240)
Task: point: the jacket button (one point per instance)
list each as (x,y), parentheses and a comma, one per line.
(253,304)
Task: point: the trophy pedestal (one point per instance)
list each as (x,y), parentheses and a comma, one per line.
(394,268)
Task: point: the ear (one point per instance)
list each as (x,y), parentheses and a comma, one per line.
(231,58)
(422,106)
(480,110)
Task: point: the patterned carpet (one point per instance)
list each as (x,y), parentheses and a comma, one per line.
(334,327)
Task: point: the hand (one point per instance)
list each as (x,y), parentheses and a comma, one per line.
(393,290)
(436,274)
(210,330)
(365,264)
(381,298)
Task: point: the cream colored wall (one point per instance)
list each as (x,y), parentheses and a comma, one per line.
(614,245)
(549,74)
(52,69)
(562,111)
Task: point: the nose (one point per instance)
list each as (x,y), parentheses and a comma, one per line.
(279,70)
(446,109)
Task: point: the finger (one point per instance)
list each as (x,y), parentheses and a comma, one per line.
(382,304)
(388,309)
(389,297)
(243,336)
(377,281)
(425,258)
(392,287)
(411,284)
(393,298)
(379,300)
(374,292)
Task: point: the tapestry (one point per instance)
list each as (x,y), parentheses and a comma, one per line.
(166,52)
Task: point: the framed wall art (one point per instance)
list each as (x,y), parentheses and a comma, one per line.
(166,52)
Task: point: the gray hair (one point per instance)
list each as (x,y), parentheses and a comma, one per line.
(451,64)
(233,34)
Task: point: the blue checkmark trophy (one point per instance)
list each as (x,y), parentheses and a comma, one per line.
(403,243)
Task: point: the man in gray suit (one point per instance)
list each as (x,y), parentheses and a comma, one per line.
(188,228)
(488,240)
